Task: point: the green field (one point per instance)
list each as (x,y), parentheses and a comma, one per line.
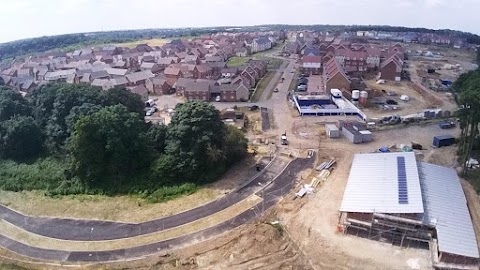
(237,61)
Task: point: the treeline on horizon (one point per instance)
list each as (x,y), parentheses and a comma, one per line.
(71,41)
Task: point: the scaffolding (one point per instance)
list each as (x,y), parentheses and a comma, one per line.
(396,230)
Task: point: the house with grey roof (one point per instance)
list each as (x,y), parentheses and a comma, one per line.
(139,78)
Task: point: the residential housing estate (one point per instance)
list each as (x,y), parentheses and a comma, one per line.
(194,69)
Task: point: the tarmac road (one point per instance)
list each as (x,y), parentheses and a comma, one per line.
(274,190)
(81,230)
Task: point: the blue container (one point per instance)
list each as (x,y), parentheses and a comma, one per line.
(443,140)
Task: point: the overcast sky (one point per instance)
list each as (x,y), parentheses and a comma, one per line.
(33,18)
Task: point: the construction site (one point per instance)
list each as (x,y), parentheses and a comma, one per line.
(407,207)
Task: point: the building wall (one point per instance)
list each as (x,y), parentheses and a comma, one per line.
(352,137)
(338,82)
(198,95)
(242,94)
(457,259)
(360,216)
(228,96)
(389,72)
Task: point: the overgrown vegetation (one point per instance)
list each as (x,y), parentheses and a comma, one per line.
(74,139)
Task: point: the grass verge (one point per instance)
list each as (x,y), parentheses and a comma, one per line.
(31,239)
(262,85)
(237,61)
(11,267)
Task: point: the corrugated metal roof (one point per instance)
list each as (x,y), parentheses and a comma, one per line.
(446,206)
(373,185)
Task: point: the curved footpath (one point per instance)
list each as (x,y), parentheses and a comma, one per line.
(271,184)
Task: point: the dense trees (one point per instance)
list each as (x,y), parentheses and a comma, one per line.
(12,103)
(101,143)
(108,146)
(467,88)
(478,57)
(20,138)
(195,140)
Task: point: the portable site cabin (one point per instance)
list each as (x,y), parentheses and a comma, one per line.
(443,140)
(332,131)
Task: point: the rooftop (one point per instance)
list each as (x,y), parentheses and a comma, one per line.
(383,183)
(446,206)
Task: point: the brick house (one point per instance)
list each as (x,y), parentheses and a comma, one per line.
(391,69)
(140,90)
(355,60)
(312,64)
(198,89)
(231,92)
(153,67)
(139,78)
(158,86)
(173,72)
(334,76)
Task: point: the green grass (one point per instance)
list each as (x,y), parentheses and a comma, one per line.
(237,61)
(169,193)
(262,85)
(10,267)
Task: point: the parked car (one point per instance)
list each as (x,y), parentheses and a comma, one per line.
(302,88)
(275,90)
(150,112)
(217,98)
(253,108)
(391,102)
(446,124)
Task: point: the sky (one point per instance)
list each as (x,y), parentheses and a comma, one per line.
(33,18)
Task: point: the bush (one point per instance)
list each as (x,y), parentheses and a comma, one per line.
(171,192)
(44,174)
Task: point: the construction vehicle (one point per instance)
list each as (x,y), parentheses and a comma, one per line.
(283,139)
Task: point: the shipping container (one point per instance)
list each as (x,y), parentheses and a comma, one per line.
(332,131)
(443,140)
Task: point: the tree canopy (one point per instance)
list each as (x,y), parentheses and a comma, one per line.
(20,138)
(101,142)
(467,88)
(12,103)
(108,146)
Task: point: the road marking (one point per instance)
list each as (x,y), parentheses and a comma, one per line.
(18,234)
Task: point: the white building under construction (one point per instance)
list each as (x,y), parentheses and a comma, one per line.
(392,197)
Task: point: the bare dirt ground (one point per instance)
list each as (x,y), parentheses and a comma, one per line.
(120,208)
(312,221)
(256,245)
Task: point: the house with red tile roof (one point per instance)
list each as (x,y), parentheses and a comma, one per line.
(312,65)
